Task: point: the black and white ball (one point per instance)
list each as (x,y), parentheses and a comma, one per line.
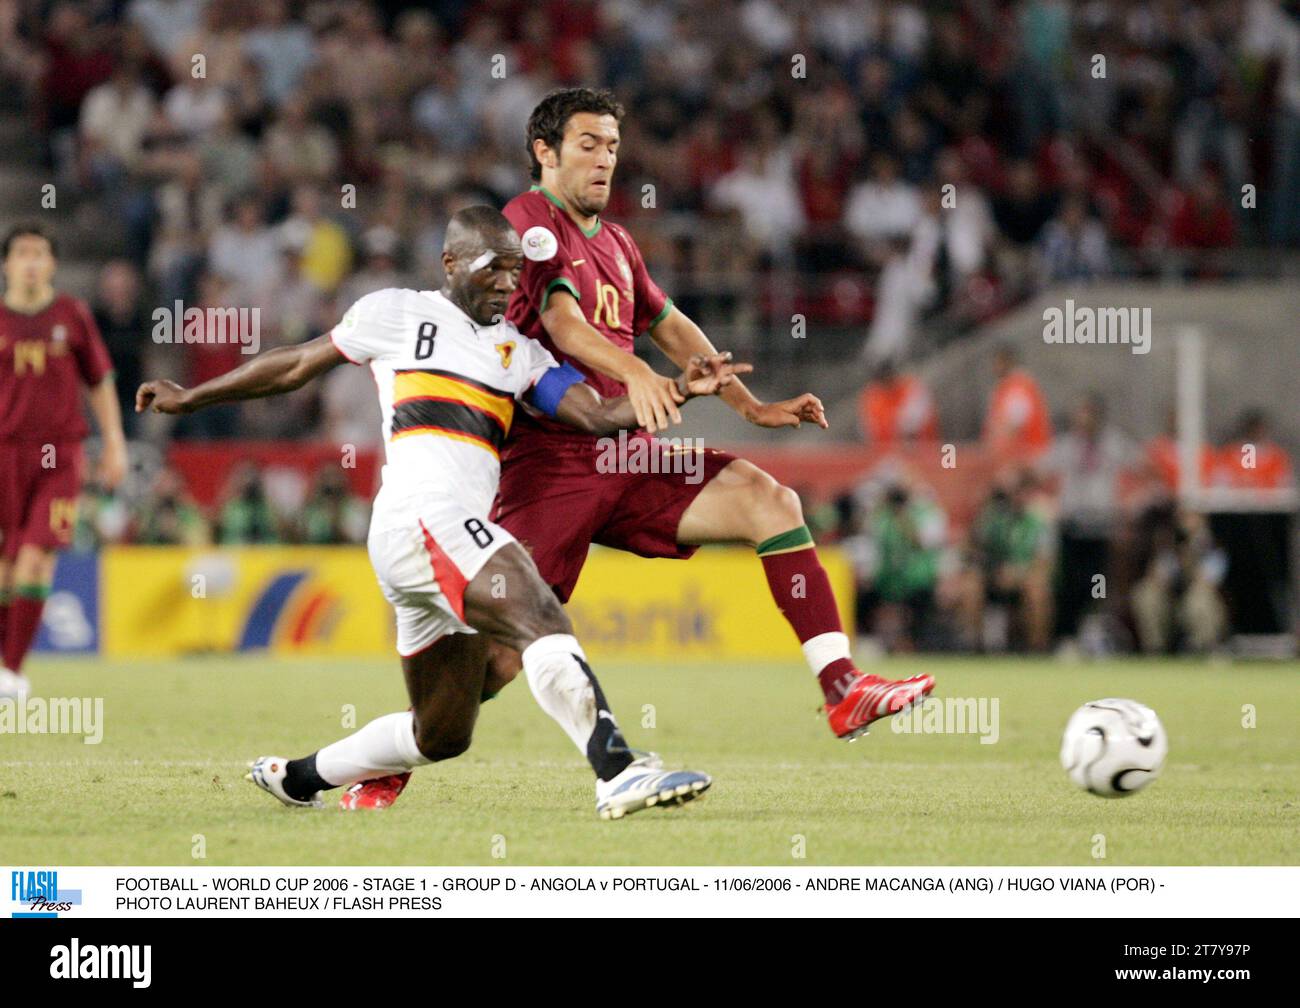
(1114,747)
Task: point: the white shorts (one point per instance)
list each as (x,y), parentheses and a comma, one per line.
(425,551)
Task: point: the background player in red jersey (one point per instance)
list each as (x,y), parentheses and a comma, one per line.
(49,348)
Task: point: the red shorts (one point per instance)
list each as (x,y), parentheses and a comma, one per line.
(39,487)
(557,497)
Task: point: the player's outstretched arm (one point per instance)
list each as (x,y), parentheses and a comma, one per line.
(705,374)
(272,373)
(654,397)
(680,338)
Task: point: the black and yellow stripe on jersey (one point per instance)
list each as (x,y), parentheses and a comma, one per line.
(450,405)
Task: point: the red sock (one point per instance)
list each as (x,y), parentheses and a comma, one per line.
(21,624)
(802,592)
(4,623)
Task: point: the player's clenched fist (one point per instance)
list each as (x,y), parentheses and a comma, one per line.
(162,396)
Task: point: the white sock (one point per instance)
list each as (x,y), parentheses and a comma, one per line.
(560,685)
(825,648)
(384,746)
(569,693)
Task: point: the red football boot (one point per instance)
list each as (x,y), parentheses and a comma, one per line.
(871,698)
(377,793)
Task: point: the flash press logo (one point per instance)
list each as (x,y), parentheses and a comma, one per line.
(75,961)
(37,894)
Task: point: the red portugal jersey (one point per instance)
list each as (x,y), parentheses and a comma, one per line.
(602,268)
(45,359)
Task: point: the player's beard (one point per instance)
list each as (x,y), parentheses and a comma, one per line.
(590,208)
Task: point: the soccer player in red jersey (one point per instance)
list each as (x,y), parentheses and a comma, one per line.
(585,294)
(49,348)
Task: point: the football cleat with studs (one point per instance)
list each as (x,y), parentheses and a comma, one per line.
(871,698)
(644,784)
(267,772)
(376,793)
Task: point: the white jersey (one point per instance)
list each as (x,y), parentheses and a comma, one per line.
(447,390)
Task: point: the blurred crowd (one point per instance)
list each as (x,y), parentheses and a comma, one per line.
(865,163)
(258,505)
(1080,541)
(896,170)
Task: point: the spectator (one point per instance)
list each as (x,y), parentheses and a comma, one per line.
(1024,209)
(1088,459)
(215,352)
(167,23)
(331,515)
(75,61)
(897,408)
(294,310)
(218,36)
(246,253)
(1163,458)
(1201,223)
(114,119)
(195,106)
(299,149)
(1017,424)
(187,211)
(884,207)
(380,269)
(762,191)
(1074,247)
(124,324)
(246,517)
(1176,604)
(909,534)
(1008,577)
(228,157)
(326,251)
(281,49)
(168,516)
(1254,461)
(966,225)
(907,284)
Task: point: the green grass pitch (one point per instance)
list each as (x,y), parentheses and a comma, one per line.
(178,733)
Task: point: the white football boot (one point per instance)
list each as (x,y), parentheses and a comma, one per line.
(644,784)
(267,772)
(14,686)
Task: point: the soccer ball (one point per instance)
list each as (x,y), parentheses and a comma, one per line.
(1114,747)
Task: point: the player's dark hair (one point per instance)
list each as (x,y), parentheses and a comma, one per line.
(24,229)
(554,112)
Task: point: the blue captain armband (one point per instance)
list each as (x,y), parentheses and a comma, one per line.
(551,386)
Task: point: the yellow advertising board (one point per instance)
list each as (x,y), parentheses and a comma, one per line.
(715,605)
(158,601)
(163,600)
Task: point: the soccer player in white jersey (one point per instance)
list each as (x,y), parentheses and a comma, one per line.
(450,372)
